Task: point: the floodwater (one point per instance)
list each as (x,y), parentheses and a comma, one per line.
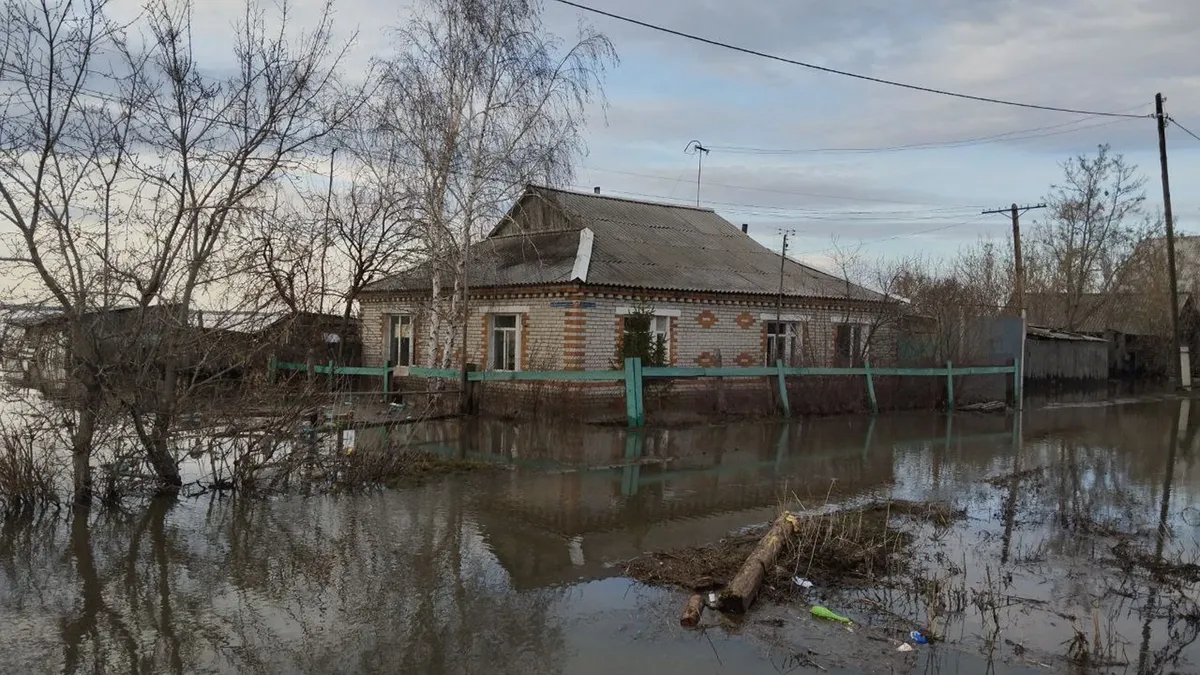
(518,570)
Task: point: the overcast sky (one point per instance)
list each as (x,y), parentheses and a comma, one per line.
(762,119)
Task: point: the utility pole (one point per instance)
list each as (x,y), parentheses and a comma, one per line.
(779,304)
(1177,356)
(325,232)
(1015,212)
(701,151)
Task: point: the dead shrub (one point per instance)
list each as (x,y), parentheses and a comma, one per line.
(28,472)
(850,547)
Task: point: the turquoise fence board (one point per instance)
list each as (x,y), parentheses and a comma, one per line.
(547,376)
(871,389)
(656,373)
(640,392)
(949,386)
(632,387)
(784,405)
(708,372)
(359,370)
(437,373)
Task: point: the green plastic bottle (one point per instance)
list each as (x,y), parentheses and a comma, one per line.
(821,612)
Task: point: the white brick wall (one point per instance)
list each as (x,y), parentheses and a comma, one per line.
(541,329)
(736,334)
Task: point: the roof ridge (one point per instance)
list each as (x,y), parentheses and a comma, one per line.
(631,200)
(530,233)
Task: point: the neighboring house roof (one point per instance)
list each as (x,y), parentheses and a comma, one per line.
(555,236)
(1037,333)
(25,315)
(1129,313)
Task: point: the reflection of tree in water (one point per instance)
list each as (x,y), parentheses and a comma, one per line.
(1094,496)
(387,582)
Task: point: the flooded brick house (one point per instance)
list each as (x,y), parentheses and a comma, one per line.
(552,284)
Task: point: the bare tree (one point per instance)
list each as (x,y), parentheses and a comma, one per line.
(955,295)
(872,291)
(181,156)
(481,101)
(61,142)
(321,252)
(1086,244)
(220,142)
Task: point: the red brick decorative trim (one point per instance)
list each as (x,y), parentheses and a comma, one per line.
(574,339)
(707,319)
(523,333)
(673,349)
(706,360)
(746,359)
(746,320)
(484,343)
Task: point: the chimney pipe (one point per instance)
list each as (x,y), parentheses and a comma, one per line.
(596,189)
(745,228)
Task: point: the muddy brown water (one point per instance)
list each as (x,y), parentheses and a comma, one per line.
(519,570)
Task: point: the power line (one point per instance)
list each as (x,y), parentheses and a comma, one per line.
(782,192)
(788,211)
(844,73)
(1006,137)
(1185,129)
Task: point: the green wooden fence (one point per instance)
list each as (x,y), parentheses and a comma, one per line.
(634,376)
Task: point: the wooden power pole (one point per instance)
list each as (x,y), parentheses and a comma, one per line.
(1015,212)
(1177,357)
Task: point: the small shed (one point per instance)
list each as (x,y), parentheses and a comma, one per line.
(1060,355)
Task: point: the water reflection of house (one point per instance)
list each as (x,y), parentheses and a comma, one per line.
(689,487)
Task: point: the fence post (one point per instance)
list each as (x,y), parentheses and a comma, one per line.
(949,386)
(784,405)
(271,370)
(331,379)
(387,381)
(633,391)
(871,387)
(641,392)
(472,391)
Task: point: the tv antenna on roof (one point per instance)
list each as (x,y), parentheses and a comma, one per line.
(700,151)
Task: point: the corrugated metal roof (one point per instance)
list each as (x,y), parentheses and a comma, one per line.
(638,244)
(1039,333)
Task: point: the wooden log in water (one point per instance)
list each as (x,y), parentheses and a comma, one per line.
(691,612)
(741,592)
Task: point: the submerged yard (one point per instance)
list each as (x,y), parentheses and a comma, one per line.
(1064,543)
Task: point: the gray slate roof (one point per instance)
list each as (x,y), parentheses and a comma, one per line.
(637,244)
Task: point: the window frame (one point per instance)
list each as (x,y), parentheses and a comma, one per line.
(793,338)
(393,339)
(858,349)
(654,332)
(516,330)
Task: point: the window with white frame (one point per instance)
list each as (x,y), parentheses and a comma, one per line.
(400,340)
(849,348)
(660,327)
(505,342)
(783,343)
